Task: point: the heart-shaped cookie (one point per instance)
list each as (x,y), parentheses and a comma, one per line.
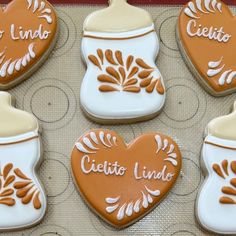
(207,37)
(121,182)
(28,32)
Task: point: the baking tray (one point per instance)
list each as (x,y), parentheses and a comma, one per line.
(52,95)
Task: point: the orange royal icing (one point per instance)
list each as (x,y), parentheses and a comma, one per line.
(11,188)
(124,74)
(222,170)
(207,33)
(27,29)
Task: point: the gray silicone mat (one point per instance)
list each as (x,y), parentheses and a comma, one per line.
(52,95)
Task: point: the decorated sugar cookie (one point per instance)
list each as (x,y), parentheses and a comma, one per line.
(122,83)
(28,32)
(22,198)
(123,182)
(207,36)
(216,205)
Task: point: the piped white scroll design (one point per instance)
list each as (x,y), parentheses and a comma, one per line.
(168,148)
(218,68)
(9,66)
(197,7)
(40,6)
(129,208)
(89,145)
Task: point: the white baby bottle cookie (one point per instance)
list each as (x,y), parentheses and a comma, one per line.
(22,198)
(216,204)
(122,83)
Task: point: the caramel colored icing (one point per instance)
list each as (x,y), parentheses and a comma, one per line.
(222,170)
(218,170)
(125,74)
(227,200)
(224,127)
(229,191)
(233,166)
(233,182)
(13,121)
(225,165)
(14,180)
(118,17)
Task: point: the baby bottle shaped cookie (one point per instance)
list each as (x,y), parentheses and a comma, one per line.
(122,83)
(22,198)
(216,205)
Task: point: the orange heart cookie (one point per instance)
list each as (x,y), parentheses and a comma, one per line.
(123,182)
(28,32)
(207,36)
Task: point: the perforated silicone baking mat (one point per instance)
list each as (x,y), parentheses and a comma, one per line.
(52,95)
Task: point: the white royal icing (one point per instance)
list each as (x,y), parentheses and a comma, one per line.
(217,68)
(40,6)
(212,33)
(111,209)
(129,208)
(193,10)
(137,206)
(87,147)
(112,200)
(10,66)
(19,33)
(162,145)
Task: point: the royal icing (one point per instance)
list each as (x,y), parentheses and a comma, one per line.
(206,32)
(27,34)
(118,13)
(122,82)
(22,198)
(216,205)
(103,163)
(223,127)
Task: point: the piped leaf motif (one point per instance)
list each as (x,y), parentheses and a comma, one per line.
(218,68)
(223,170)
(130,208)
(6,190)
(27,190)
(129,75)
(168,148)
(14,183)
(40,7)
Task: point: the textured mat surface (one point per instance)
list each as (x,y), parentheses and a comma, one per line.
(52,95)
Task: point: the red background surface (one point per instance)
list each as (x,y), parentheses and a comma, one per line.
(170,2)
